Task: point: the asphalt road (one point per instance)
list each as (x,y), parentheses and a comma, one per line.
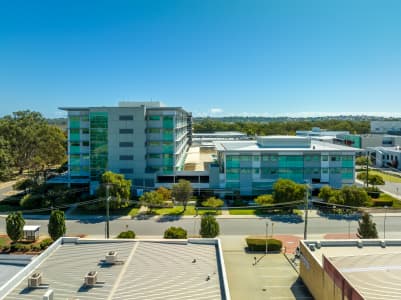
(316,226)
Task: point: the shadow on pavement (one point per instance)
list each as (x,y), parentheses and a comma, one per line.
(295,219)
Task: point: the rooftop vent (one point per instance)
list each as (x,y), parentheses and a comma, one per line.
(360,244)
(111,257)
(318,245)
(35,280)
(383,243)
(91,278)
(312,247)
(48,295)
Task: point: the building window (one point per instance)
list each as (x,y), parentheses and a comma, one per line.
(154,130)
(126,117)
(256,158)
(126,131)
(154,155)
(85,143)
(126,157)
(325,157)
(256,171)
(335,158)
(85,130)
(154,118)
(126,144)
(126,171)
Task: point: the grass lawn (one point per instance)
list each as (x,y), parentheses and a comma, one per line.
(133,212)
(179,211)
(386,177)
(4,241)
(242,211)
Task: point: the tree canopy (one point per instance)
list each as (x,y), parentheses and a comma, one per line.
(264,199)
(152,200)
(367,228)
(182,192)
(209,227)
(56,225)
(15,226)
(373,179)
(119,189)
(213,202)
(31,142)
(347,195)
(285,190)
(286,127)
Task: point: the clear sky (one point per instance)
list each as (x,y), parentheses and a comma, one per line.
(213,57)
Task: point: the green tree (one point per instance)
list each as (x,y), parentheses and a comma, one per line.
(119,189)
(165,193)
(182,192)
(362,160)
(354,196)
(326,192)
(264,199)
(56,227)
(374,179)
(152,200)
(33,143)
(15,226)
(213,202)
(285,190)
(209,227)
(6,162)
(367,228)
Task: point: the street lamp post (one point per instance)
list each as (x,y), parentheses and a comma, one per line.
(267,226)
(107,212)
(384,221)
(272,229)
(306,211)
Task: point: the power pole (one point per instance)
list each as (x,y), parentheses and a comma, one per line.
(367,170)
(107,212)
(306,213)
(267,226)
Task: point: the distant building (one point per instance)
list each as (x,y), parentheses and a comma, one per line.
(252,167)
(317,131)
(351,269)
(204,138)
(138,139)
(385,157)
(386,127)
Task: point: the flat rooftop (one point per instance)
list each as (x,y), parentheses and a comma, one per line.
(152,269)
(252,145)
(198,158)
(374,270)
(11,265)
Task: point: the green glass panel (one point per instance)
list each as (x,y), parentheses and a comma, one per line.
(75,149)
(74,124)
(154,118)
(168,149)
(168,136)
(291,161)
(74,137)
(99,143)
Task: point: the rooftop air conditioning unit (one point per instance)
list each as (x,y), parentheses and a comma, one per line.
(111,257)
(35,280)
(360,244)
(91,278)
(48,295)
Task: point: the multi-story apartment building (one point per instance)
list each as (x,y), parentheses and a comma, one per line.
(252,167)
(138,139)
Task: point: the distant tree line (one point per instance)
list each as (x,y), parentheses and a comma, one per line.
(280,127)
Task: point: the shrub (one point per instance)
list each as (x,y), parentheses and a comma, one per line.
(175,233)
(45,243)
(129,234)
(23,184)
(17,247)
(259,244)
(209,227)
(378,202)
(35,248)
(31,201)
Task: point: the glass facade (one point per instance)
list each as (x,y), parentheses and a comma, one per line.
(98,144)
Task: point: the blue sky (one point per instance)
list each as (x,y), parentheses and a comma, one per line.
(213,57)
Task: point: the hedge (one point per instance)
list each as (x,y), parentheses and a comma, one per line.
(259,244)
(175,233)
(129,234)
(378,202)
